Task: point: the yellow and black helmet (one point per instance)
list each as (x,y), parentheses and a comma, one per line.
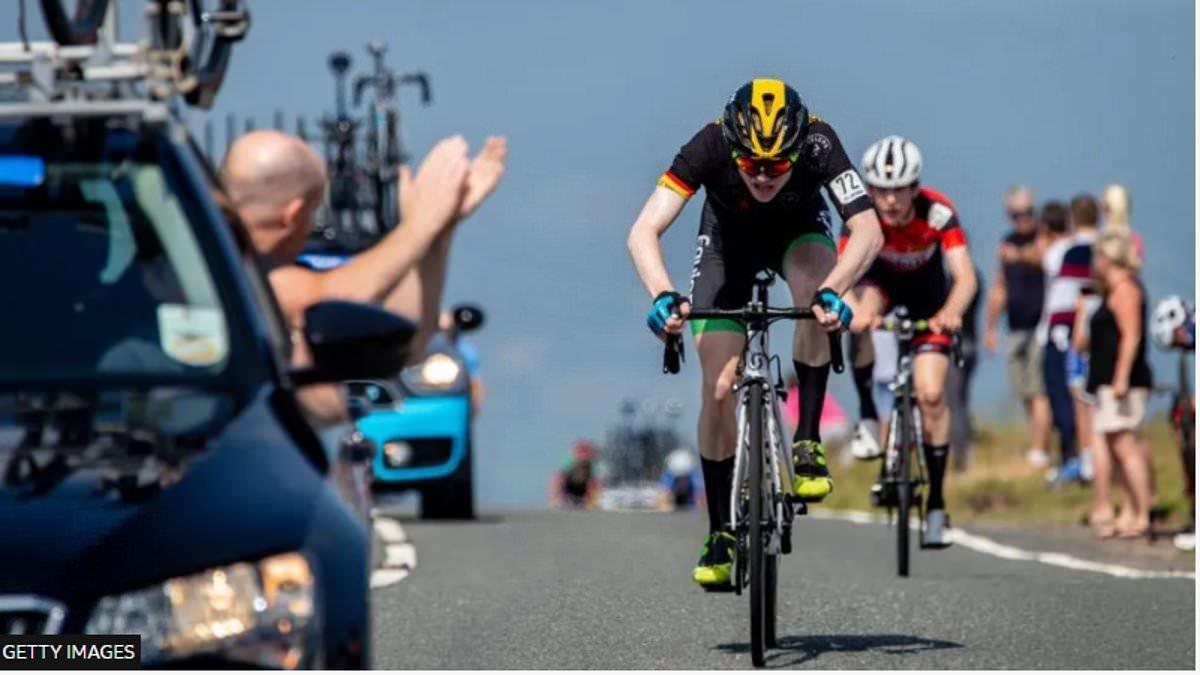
(765,119)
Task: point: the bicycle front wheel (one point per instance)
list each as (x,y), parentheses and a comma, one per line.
(756,542)
(770,605)
(904,487)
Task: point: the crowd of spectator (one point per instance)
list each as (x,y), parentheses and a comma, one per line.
(1077,311)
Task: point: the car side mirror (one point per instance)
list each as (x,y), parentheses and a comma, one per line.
(467,317)
(353,341)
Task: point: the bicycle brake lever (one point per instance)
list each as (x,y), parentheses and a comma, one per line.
(956,346)
(672,354)
(835,353)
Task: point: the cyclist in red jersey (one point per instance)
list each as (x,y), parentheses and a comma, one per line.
(926,267)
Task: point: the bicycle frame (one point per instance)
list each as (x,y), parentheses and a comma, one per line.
(901,387)
(756,367)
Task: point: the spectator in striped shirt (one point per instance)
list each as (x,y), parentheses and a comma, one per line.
(1067,264)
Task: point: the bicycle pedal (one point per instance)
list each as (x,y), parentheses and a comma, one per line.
(785,541)
(727,588)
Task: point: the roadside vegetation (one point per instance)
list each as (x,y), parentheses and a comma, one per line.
(999,486)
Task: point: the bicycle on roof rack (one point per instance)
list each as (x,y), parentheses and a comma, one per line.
(185,51)
(363,200)
(384,151)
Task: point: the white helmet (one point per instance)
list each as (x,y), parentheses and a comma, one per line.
(1169,314)
(680,462)
(892,162)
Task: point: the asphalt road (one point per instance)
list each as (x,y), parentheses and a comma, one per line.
(607,590)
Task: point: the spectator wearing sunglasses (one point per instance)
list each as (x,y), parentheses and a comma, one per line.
(1018,291)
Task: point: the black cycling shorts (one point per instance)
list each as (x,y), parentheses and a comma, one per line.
(729,254)
(922,293)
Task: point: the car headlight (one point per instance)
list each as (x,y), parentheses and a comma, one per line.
(437,371)
(253,613)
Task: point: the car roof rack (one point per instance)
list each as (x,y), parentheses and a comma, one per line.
(149,78)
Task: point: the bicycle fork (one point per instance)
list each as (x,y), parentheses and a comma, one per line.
(773,476)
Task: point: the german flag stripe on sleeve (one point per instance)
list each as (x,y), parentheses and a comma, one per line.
(677,185)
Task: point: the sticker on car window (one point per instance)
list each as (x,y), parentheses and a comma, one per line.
(193,336)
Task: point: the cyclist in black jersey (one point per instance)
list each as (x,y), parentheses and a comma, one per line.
(762,166)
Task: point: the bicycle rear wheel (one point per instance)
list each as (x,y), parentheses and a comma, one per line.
(756,543)
(904,487)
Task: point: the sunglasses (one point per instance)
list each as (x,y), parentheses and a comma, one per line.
(771,168)
(1024,213)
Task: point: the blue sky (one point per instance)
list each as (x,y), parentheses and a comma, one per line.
(596,97)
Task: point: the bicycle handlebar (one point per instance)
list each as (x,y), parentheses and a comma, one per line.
(673,350)
(922,326)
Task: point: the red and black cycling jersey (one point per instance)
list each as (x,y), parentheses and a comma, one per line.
(918,245)
(909,269)
(707,161)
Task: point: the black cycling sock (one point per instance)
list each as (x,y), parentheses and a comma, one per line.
(866,400)
(935,461)
(810,384)
(718,482)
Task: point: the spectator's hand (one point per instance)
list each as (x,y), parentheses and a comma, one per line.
(1120,386)
(484,175)
(945,321)
(990,340)
(431,199)
(1009,253)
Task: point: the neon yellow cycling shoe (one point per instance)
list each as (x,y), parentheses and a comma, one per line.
(813,482)
(715,568)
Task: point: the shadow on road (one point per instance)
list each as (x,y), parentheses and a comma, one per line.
(795,650)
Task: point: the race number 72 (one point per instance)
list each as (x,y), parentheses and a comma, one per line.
(847,187)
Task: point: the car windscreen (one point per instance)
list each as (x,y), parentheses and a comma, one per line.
(103,275)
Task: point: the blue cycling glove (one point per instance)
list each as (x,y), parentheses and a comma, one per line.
(831,302)
(665,306)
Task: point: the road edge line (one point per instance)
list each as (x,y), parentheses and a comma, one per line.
(981,544)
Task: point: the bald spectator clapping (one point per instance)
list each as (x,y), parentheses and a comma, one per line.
(276,183)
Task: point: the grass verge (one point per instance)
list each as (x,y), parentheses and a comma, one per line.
(998,485)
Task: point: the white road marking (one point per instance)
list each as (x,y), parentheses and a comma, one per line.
(989,547)
(386,577)
(390,531)
(400,555)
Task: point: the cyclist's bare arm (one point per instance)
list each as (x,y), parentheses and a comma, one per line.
(866,238)
(661,209)
(962,270)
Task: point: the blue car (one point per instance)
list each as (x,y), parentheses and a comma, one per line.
(420,424)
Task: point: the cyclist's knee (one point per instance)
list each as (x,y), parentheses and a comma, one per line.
(932,400)
(717,383)
(718,389)
(862,349)
(810,345)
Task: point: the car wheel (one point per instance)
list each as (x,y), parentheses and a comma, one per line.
(452,499)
